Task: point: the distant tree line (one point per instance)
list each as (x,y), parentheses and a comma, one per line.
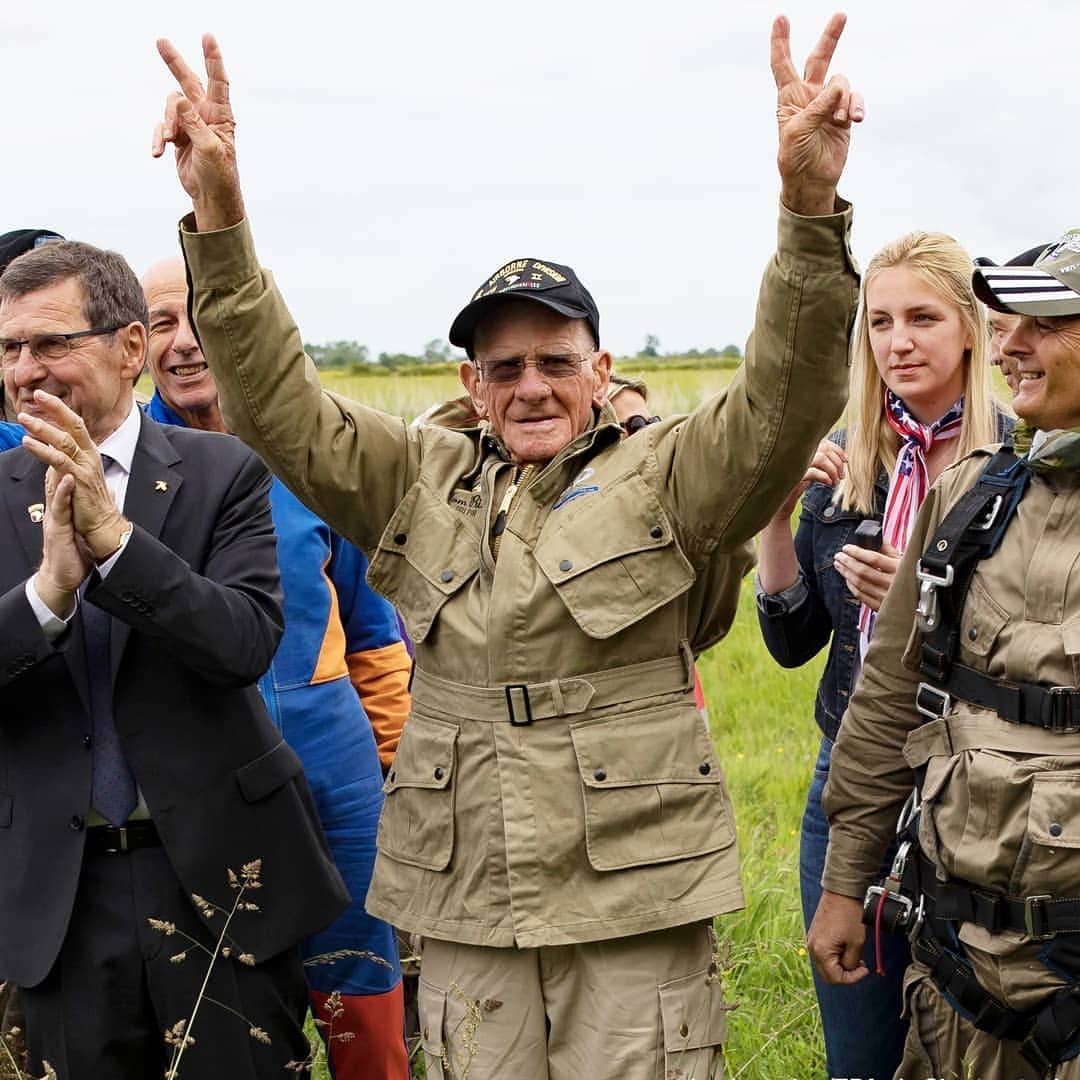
(351,355)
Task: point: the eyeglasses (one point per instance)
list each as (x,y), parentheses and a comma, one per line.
(633,424)
(550,367)
(48,348)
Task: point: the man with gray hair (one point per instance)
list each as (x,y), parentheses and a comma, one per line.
(139,603)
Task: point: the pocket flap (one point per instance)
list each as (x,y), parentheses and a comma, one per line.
(265,774)
(431,1007)
(1070,636)
(693,1013)
(982,620)
(427,553)
(425,755)
(614,560)
(1054,813)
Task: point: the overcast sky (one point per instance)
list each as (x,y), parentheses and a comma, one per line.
(395,154)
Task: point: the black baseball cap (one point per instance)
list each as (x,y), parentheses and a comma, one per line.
(19,241)
(1044,280)
(548,283)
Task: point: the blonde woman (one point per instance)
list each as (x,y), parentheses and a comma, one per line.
(920,398)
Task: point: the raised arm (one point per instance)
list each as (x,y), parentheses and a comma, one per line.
(739,455)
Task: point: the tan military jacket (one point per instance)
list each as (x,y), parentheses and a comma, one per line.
(554,782)
(993,789)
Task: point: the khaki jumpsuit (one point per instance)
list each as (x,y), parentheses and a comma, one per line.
(554,785)
(993,790)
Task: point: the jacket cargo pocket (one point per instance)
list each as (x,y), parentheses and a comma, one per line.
(431,1005)
(417,821)
(653,788)
(695,1025)
(614,560)
(982,620)
(1050,861)
(427,553)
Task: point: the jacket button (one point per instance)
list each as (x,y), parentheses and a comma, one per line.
(704,768)
(446,576)
(393,776)
(88,741)
(1056,829)
(599,775)
(438,773)
(565,565)
(76,823)
(684,1029)
(656,532)
(973,633)
(400,538)
(829,511)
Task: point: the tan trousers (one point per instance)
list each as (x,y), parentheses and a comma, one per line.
(942,1045)
(647,1007)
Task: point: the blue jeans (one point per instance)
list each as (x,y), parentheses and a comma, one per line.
(864,1033)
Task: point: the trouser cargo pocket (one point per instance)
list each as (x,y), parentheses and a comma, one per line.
(431,1005)
(695,1023)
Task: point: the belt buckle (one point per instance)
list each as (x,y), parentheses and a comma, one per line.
(1062,694)
(117,839)
(1033,905)
(946,701)
(511,711)
(986,523)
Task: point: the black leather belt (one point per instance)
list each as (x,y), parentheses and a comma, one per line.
(1053,708)
(110,840)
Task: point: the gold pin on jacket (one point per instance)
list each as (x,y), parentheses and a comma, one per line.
(36,512)
(160,485)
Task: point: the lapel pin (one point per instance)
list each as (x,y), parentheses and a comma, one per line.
(160,485)
(36,512)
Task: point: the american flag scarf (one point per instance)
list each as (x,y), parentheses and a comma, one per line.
(909,483)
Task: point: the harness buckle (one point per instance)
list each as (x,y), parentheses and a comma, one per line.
(1035,917)
(929,710)
(511,710)
(990,517)
(1061,719)
(927,610)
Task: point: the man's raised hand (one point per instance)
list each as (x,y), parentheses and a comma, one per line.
(199,123)
(815,119)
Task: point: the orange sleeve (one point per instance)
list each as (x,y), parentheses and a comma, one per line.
(381,679)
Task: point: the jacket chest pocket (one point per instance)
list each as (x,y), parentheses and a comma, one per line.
(981,621)
(614,560)
(417,821)
(653,788)
(427,554)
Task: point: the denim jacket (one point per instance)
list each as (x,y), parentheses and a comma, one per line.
(818,608)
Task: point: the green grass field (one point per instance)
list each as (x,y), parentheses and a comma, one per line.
(762,723)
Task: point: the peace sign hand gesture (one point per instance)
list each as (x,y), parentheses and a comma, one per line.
(815,119)
(200,125)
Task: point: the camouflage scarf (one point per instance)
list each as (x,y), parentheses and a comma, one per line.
(1060,450)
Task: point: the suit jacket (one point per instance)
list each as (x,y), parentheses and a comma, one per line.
(196,605)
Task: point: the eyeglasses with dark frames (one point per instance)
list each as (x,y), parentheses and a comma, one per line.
(549,366)
(633,424)
(48,348)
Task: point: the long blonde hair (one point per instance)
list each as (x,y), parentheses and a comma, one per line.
(872,444)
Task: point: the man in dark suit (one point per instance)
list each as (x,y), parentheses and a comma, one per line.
(139,603)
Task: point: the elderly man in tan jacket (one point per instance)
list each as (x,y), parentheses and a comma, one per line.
(556,824)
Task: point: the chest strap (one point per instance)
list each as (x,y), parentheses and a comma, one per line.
(971,531)
(1053,708)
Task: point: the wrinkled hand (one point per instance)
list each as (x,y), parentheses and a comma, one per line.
(868,573)
(200,124)
(59,438)
(815,120)
(65,561)
(828,466)
(835,939)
